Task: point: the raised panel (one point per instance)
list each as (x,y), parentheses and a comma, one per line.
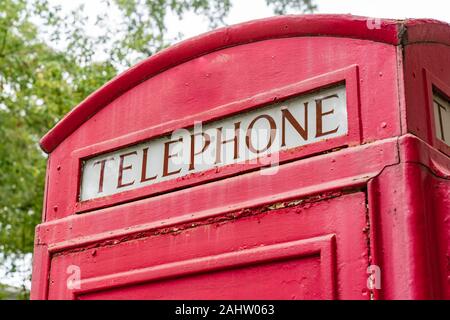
(295,270)
(317,246)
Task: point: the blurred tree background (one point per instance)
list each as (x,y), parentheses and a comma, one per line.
(49,62)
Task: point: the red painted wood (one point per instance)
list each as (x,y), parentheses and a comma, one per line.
(390,32)
(411,242)
(426,65)
(410,231)
(265,29)
(348,75)
(259,230)
(378,196)
(426,31)
(256,265)
(41,267)
(348,168)
(179,97)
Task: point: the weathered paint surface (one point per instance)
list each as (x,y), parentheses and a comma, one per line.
(376,196)
(242,248)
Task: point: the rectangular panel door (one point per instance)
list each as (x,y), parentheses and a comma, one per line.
(313,248)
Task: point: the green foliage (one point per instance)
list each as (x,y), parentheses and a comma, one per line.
(49,63)
(13,293)
(38,85)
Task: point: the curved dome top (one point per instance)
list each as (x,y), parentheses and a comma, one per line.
(394,32)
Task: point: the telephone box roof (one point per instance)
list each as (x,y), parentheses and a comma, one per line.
(393,32)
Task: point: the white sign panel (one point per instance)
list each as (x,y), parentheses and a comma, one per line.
(248,136)
(442,118)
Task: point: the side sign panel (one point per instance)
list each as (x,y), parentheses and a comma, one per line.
(441,108)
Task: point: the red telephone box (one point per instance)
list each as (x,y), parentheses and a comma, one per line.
(296,157)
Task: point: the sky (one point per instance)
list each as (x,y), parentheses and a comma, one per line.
(244,10)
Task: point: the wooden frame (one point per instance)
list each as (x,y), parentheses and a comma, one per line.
(349,76)
(434,85)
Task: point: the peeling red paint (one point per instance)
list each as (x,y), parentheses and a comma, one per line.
(379,196)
